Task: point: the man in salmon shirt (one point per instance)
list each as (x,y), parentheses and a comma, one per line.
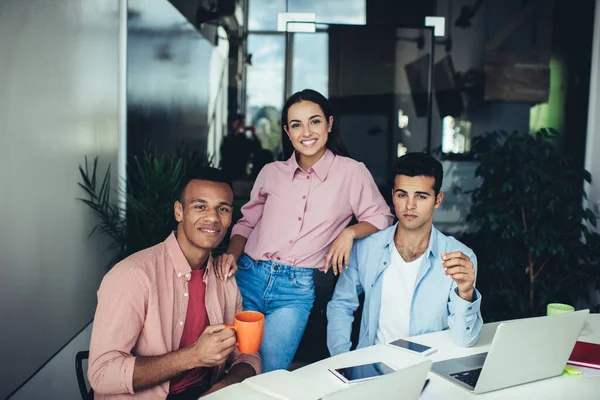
(159,328)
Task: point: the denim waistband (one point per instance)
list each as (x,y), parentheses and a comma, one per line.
(274,267)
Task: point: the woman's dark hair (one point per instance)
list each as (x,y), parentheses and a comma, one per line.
(335,142)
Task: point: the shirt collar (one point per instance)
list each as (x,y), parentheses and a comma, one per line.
(432,248)
(180,263)
(321,167)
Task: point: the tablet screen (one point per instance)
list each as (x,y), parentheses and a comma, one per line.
(364,371)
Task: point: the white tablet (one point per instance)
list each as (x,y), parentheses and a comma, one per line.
(362,372)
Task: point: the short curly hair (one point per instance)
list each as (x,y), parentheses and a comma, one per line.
(209,174)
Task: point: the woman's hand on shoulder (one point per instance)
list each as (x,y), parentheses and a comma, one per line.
(225,266)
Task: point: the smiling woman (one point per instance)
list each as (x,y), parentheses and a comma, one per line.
(279,251)
(308,130)
(308,117)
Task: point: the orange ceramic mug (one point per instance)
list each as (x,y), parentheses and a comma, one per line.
(249,327)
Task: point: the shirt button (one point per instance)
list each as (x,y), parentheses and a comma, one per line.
(276,268)
(279,258)
(291,241)
(307,176)
(179,274)
(299,219)
(385,263)
(470,308)
(303,197)
(468,327)
(185,294)
(180,322)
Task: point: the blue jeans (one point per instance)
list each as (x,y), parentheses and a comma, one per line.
(285,295)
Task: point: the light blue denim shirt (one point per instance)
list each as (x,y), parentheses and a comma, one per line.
(435,305)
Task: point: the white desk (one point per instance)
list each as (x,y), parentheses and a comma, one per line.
(560,387)
(315,381)
(324,380)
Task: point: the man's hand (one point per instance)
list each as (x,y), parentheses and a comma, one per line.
(460,268)
(214,346)
(339,253)
(225,266)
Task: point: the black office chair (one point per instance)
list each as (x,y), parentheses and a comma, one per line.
(86,394)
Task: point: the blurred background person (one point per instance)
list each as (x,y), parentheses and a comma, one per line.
(238,148)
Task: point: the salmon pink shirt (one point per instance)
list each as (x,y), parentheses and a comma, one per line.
(294,216)
(142,309)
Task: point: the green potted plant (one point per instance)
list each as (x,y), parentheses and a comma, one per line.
(153,183)
(532,236)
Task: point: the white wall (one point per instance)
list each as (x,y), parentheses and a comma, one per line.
(58,103)
(592,161)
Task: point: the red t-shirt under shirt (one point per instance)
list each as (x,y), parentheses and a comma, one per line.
(196,321)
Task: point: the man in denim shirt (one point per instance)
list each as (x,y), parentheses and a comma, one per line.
(416,280)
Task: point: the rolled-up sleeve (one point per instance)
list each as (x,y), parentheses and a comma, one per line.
(236,357)
(252,211)
(368,205)
(119,319)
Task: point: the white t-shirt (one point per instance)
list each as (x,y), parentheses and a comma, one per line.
(396,297)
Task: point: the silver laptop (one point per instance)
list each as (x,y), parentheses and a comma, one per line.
(523,350)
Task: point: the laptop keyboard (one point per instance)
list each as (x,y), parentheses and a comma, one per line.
(468,377)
